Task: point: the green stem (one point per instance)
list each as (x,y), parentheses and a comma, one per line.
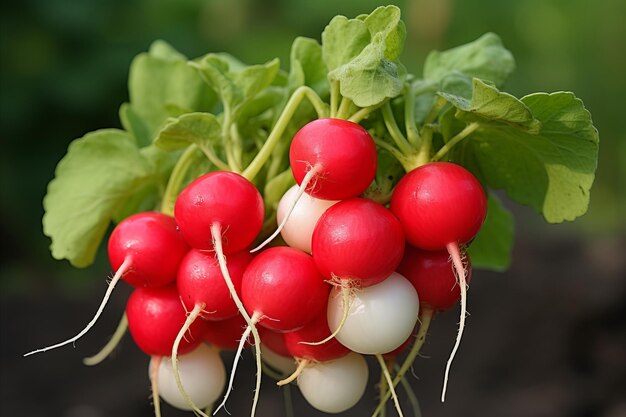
(334,97)
(417,411)
(394,130)
(227,140)
(468,130)
(344,108)
(409,117)
(176,179)
(440,102)
(423,156)
(364,112)
(237,148)
(213,158)
(281,124)
(426,316)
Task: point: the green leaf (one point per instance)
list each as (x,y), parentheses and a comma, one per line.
(360,53)
(484,58)
(488,105)
(491,248)
(551,170)
(307,66)
(235,86)
(203,129)
(99,173)
(160,83)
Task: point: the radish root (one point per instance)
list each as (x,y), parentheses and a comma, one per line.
(301,365)
(197,309)
(385,371)
(292,205)
(120,272)
(457,260)
(120,331)
(346,296)
(155,363)
(216,234)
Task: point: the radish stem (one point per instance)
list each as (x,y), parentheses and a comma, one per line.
(111,344)
(385,372)
(301,365)
(155,363)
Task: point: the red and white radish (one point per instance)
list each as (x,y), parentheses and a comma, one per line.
(336,385)
(145,250)
(441,205)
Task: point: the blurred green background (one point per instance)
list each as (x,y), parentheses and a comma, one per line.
(64,66)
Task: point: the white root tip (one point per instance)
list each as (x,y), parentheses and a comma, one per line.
(120,272)
(455,253)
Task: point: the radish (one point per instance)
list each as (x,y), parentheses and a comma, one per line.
(155,316)
(202,374)
(432,274)
(334,386)
(331,159)
(441,205)
(298,229)
(274,351)
(145,249)
(305,354)
(357,243)
(223,211)
(380,317)
(225,334)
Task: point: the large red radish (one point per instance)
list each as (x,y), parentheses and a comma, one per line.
(441,206)
(145,250)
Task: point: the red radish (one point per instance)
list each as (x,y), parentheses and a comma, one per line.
(340,153)
(200,283)
(225,334)
(223,211)
(274,340)
(441,205)
(284,289)
(155,315)
(145,249)
(357,243)
(432,274)
(317,329)
(274,351)
(335,386)
(331,159)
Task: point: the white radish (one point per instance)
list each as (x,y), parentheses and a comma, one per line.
(298,228)
(202,373)
(380,318)
(334,386)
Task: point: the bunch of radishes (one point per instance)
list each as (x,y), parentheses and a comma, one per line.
(352,266)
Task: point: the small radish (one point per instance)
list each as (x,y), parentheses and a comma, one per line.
(441,206)
(380,317)
(202,374)
(432,274)
(298,229)
(306,354)
(331,159)
(335,386)
(145,249)
(223,211)
(274,351)
(200,283)
(155,316)
(283,288)
(340,154)
(357,243)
